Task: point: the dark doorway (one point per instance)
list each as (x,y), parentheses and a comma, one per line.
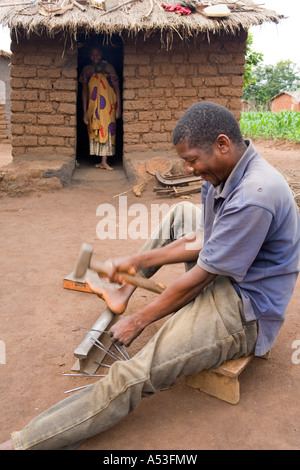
(112,48)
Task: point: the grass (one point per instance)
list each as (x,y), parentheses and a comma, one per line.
(267,125)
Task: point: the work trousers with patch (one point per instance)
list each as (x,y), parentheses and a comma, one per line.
(206,332)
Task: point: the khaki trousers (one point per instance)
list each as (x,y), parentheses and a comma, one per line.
(206,332)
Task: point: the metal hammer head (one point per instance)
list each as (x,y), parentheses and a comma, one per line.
(83,261)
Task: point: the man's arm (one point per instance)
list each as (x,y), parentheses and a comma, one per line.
(184,250)
(174,297)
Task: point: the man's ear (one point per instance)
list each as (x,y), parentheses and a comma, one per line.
(223,143)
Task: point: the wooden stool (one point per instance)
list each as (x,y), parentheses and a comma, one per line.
(222,382)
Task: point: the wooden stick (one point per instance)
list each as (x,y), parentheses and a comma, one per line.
(136,280)
(81,7)
(151,9)
(119,6)
(16,4)
(131,189)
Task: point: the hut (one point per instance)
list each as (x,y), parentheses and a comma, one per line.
(165,61)
(285,101)
(5,131)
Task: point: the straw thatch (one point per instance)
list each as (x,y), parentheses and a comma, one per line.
(139,15)
(5,54)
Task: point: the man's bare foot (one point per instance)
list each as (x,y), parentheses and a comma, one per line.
(116,298)
(8,445)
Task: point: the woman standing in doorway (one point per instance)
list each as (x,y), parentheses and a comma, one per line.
(101,102)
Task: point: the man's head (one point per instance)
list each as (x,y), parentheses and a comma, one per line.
(201,124)
(209,139)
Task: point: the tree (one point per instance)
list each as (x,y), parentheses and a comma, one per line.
(253,58)
(269,80)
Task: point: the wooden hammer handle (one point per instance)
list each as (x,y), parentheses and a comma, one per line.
(137,281)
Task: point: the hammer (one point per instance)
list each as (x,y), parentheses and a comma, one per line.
(85,261)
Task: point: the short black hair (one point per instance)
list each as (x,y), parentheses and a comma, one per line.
(203,122)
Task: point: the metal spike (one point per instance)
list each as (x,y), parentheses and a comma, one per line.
(75,389)
(84,375)
(102,364)
(101,346)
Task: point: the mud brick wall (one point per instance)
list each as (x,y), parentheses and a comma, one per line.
(3,124)
(284,102)
(43,96)
(159,85)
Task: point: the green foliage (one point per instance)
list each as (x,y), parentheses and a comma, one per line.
(269,80)
(284,125)
(252,59)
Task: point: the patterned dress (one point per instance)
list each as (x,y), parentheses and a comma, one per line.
(101,111)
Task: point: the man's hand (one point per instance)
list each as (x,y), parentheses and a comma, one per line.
(174,297)
(126,330)
(123,264)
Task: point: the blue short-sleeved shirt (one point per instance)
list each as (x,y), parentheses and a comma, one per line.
(251,234)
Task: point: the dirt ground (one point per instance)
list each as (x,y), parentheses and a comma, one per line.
(41,236)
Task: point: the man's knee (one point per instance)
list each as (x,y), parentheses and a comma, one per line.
(187,218)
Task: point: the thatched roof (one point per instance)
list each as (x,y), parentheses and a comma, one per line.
(138,15)
(5,54)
